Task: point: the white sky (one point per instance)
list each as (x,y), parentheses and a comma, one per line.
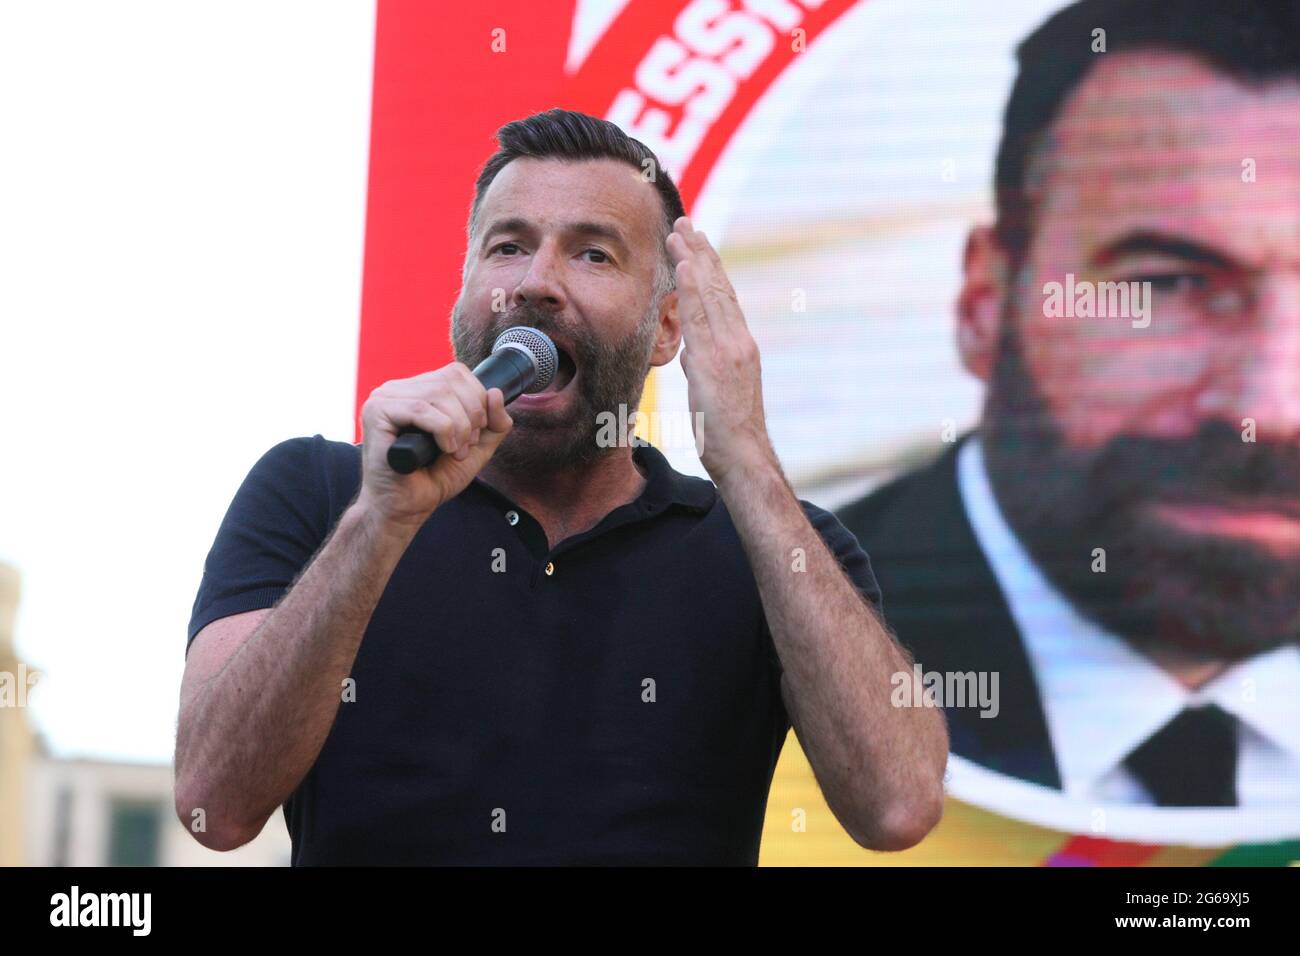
(182,200)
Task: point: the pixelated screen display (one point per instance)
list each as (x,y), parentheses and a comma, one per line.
(1068,447)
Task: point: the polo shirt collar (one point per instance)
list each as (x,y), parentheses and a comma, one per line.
(666,486)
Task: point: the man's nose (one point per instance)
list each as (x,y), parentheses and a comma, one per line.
(541,286)
(1270,376)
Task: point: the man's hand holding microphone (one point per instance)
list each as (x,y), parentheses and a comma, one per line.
(466,419)
(425,438)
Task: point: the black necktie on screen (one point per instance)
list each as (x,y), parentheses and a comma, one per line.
(1191,761)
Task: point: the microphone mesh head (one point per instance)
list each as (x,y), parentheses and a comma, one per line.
(538,347)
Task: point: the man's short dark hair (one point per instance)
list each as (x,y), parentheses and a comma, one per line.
(573,136)
(1253,41)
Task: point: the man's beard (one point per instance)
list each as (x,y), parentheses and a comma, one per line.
(1202,597)
(608,375)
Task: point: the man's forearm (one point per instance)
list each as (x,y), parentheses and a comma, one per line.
(252,733)
(880,767)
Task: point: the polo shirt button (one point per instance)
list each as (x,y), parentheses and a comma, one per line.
(512,517)
(550,567)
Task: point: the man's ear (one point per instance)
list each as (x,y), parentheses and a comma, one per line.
(982,302)
(669,336)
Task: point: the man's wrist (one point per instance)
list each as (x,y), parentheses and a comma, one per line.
(364,517)
(759,470)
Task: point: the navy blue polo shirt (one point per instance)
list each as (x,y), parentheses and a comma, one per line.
(612,700)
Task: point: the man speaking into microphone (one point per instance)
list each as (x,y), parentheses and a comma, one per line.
(539,649)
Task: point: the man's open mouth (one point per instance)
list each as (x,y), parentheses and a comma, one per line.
(564,372)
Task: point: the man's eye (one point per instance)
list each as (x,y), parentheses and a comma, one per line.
(1211,294)
(600,256)
(1175,282)
(507,248)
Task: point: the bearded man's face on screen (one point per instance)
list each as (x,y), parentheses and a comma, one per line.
(1168,436)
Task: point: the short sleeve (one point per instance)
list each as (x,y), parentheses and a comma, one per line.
(276,522)
(841,543)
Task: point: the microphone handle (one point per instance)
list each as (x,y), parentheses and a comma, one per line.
(508,369)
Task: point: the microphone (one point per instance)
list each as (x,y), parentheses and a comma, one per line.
(523,360)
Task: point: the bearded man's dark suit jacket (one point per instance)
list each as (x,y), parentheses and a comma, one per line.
(943,602)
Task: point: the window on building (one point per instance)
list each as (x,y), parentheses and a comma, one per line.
(135,828)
